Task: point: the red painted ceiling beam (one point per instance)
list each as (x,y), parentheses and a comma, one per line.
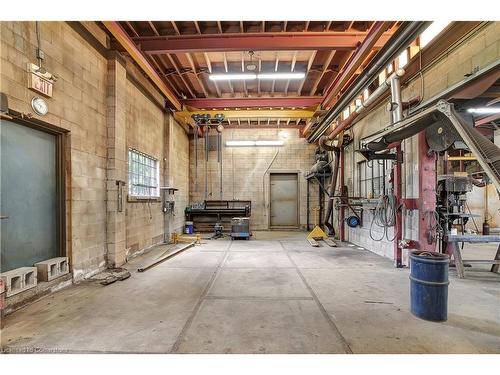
(487,120)
(122,37)
(288,102)
(257,42)
(373,39)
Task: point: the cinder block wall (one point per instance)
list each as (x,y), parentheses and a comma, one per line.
(79,106)
(84,104)
(474,53)
(244,170)
(146,133)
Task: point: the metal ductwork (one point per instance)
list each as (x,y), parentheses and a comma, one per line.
(431,119)
(405,34)
(443,115)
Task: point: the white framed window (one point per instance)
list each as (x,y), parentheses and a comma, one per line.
(143,175)
(372,178)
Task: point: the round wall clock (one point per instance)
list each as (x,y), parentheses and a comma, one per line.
(40,106)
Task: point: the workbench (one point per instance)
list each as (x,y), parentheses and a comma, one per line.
(217,211)
(452,248)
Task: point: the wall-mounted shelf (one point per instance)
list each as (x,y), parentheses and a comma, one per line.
(169,189)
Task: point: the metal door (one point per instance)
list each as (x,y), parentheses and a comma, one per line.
(28,196)
(284,200)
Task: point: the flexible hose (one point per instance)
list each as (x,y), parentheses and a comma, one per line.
(333,183)
(384,216)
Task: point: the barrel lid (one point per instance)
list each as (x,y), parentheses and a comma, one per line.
(430,255)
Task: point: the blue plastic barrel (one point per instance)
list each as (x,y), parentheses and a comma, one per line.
(189,227)
(429,285)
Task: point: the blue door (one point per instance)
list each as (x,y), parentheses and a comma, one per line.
(28,196)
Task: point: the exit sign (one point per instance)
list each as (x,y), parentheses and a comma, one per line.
(40,85)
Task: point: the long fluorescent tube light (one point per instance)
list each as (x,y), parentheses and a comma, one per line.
(232,77)
(280,75)
(240,143)
(254,143)
(270,143)
(484,110)
(252,76)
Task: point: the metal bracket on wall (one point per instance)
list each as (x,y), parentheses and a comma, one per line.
(120,185)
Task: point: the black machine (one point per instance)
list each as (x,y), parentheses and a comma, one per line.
(451,201)
(218,229)
(205,216)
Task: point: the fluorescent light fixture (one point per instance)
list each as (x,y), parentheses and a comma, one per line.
(240,143)
(232,77)
(283,134)
(254,143)
(270,143)
(485,110)
(252,76)
(432,31)
(280,75)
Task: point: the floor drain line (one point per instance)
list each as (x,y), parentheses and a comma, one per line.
(188,323)
(319,304)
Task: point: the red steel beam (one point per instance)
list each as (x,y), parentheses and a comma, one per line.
(427,193)
(122,37)
(288,102)
(487,120)
(373,38)
(259,42)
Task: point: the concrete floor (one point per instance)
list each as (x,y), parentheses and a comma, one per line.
(272,294)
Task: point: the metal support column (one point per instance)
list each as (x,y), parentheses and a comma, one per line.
(308,205)
(398,228)
(342,209)
(427,194)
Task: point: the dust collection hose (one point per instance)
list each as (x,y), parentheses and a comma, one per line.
(333,183)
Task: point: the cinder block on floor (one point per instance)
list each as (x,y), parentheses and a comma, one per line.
(19,279)
(52,268)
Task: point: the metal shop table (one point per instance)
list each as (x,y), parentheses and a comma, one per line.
(453,248)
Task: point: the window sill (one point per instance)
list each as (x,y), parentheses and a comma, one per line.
(132,199)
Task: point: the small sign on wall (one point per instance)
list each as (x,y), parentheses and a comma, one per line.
(40,85)
(40,80)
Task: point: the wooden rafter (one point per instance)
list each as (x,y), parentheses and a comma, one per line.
(309,65)
(177,69)
(176,29)
(153,27)
(243,71)
(131,28)
(193,68)
(322,73)
(219,26)
(209,66)
(258,81)
(276,64)
(162,68)
(227,70)
(292,68)
(197,27)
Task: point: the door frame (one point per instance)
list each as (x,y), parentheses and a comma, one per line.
(63,174)
(283,171)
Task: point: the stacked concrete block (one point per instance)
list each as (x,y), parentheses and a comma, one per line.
(19,280)
(52,268)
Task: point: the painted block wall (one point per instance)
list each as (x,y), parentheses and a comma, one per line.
(244,170)
(476,52)
(83,105)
